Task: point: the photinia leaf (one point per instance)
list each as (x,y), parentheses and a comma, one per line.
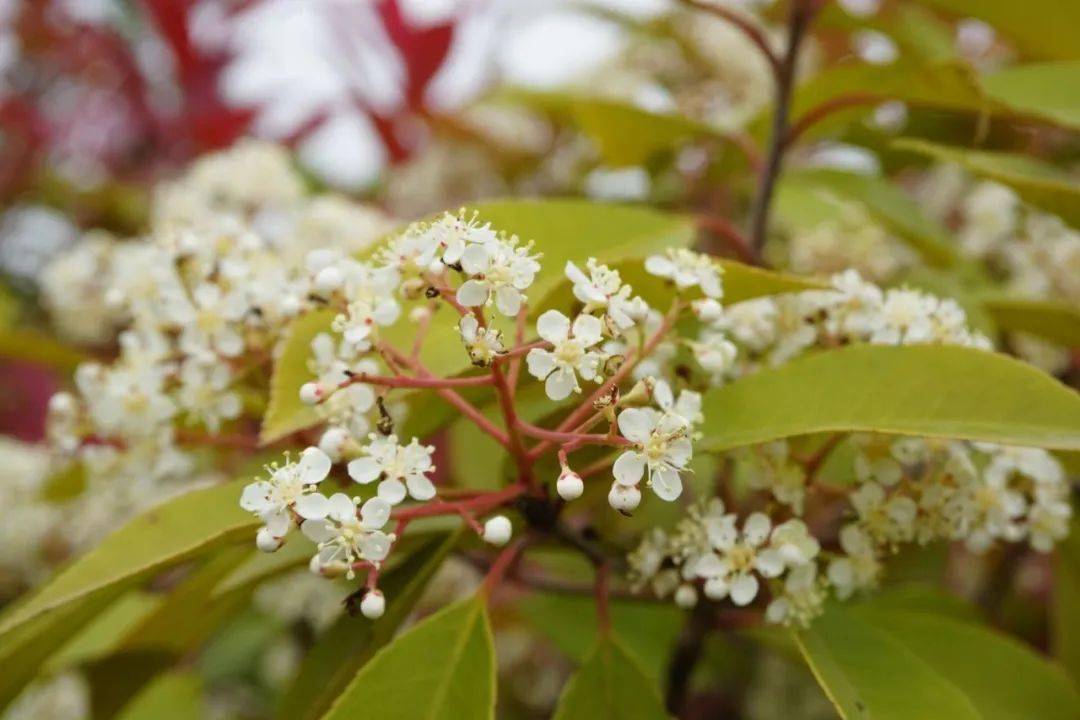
(444,667)
(174,696)
(889,663)
(1046,91)
(1057,322)
(344,647)
(924,390)
(1065,616)
(1045,29)
(1038,183)
(610,684)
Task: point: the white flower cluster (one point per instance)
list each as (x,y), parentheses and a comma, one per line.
(198,302)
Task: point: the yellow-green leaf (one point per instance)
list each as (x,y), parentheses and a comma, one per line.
(286,414)
(1046,29)
(175,696)
(1057,322)
(444,667)
(1047,91)
(1065,617)
(344,647)
(610,684)
(887,663)
(923,390)
(1042,185)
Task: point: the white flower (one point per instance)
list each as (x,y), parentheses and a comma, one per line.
(887,520)
(687,405)
(603,289)
(290,488)
(343,538)
(660,444)
(214,323)
(802,598)
(714,352)
(570,355)
(203,393)
(497,530)
(860,568)
(373,605)
(403,469)
(482,343)
(905,318)
(454,233)
(570,486)
(498,270)
(729,570)
(687,269)
(371,303)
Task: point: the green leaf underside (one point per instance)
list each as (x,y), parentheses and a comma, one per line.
(928,390)
(1047,29)
(343,648)
(177,530)
(563,230)
(1042,185)
(444,667)
(886,663)
(1046,91)
(610,684)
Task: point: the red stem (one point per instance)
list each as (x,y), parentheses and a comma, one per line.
(500,566)
(819,112)
(479,504)
(426,382)
(602,592)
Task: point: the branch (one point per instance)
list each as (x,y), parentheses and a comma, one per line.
(819,112)
(801,13)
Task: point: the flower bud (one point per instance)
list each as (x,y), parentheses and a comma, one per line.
(267,542)
(62,404)
(624,498)
(290,305)
(686,596)
(497,530)
(570,485)
(311,393)
(373,605)
(333,442)
(329,279)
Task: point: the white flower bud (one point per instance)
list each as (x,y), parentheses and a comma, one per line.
(290,305)
(329,279)
(570,485)
(686,596)
(266,541)
(497,530)
(333,442)
(373,605)
(624,498)
(311,393)
(62,404)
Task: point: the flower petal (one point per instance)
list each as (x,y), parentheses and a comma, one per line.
(392,491)
(540,362)
(420,487)
(342,508)
(744,589)
(636,424)
(472,293)
(374,513)
(313,466)
(666,483)
(553,326)
(364,470)
(560,384)
(587,330)
(757,527)
(312,506)
(629,468)
(508,300)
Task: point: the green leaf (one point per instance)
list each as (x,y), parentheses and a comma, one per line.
(1057,322)
(890,206)
(886,663)
(1065,617)
(1046,29)
(177,530)
(350,642)
(444,667)
(173,696)
(647,631)
(1047,91)
(923,390)
(285,414)
(610,684)
(624,133)
(103,635)
(1038,183)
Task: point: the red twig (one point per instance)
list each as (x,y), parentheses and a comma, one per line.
(479,504)
(731,236)
(601,593)
(498,568)
(819,112)
(427,382)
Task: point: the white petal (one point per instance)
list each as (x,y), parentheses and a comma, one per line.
(553,326)
(375,547)
(342,508)
(253,499)
(508,300)
(472,293)
(317,531)
(374,513)
(475,259)
(278,523)
(364,470)
(312,506)
(587,329)
(313,466)
(629,468)
(666,483)
(574,274)
(659,265)
(769,562)
(744,589)
(636,424)
(560,384)
(716,588)
(392,491)
(757,528)
(420,487)
(540,362)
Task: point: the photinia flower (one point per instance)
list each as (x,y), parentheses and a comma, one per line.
(403,469)
(290,487)
(570,355)
(661,445)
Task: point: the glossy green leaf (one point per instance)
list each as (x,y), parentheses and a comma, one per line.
(344,647)
(624,133)
(177,530)
(1057,322)
(927,390)
(444,667)
(886,663)
(286,414)
(103,635)
(647,631)
(175,696)
(890,206)
(1065,617)
(1046,29)
(1042,185)
(1047,91)
(610,684)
